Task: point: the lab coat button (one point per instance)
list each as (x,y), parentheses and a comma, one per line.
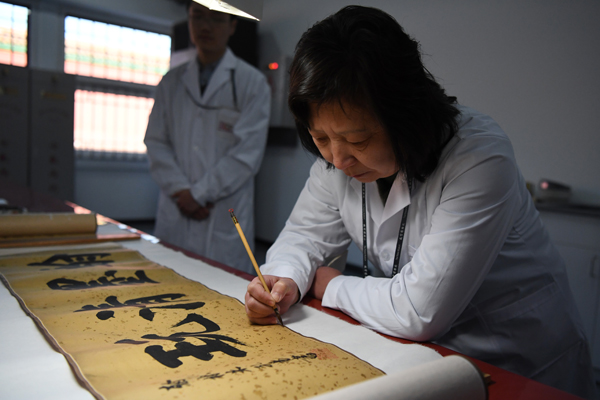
(385,256)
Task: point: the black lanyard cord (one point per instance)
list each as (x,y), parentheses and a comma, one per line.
(400,234)
(233,93)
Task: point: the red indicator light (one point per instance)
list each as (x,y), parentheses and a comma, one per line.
(273,65)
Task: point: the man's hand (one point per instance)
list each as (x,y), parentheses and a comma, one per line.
(189,207)
(322,278)
(259,303)
(186,203)
(202,212)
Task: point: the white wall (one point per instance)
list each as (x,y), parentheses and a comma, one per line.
(531,65)
(122,190)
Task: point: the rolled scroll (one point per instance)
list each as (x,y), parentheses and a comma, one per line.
(449,378)
(15,225)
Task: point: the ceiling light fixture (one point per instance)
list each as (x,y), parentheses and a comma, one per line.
(251,9)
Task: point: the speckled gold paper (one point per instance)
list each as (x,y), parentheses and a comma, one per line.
(132,329)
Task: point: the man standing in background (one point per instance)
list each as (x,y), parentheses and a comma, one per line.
(206,138)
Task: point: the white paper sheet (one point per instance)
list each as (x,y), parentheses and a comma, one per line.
(448,378)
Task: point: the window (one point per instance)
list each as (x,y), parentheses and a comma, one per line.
(112,104)
(13,34)
(115,52)
(108,122)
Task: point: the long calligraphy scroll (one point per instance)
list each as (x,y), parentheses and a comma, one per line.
(131,328)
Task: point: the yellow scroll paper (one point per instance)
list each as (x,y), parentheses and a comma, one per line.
(12,225)
(53,229)
(133,329)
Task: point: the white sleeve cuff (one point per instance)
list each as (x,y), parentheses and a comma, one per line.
(331,292)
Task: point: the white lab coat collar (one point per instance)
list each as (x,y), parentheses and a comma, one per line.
(190,78)
(466,116)
(398,198)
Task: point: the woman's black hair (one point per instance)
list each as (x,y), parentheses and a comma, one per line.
(362,56)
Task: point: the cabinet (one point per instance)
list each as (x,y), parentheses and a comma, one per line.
(52,157)
(14,117)
(36,129)
(578,240)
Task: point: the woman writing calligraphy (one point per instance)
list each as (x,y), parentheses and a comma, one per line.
(430,191)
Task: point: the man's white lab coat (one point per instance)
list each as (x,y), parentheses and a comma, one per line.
(212,144)
(478,272)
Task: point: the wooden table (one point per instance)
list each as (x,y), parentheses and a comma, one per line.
(504,384)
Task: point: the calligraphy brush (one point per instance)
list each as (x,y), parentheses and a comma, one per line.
(243,237)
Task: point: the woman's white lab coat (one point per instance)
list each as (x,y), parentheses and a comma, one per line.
(212,144)
(478,272)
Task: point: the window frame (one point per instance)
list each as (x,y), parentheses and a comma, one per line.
(28,51)
(105,85)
